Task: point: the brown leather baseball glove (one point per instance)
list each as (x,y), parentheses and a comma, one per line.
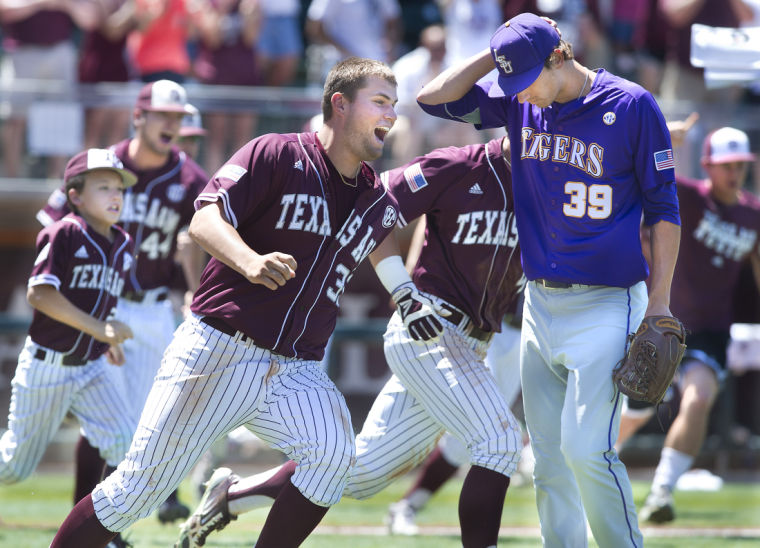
(654,352)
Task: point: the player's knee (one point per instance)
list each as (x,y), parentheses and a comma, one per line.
(697,402)
(578,452)
(503,460)
(321,476)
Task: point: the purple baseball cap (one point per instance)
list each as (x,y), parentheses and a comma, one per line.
(97,158)
(163,96)
(519,49)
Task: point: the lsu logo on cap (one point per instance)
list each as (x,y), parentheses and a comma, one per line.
(414,177)
(506,66)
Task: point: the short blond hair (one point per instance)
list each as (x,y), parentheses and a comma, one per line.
(349,76)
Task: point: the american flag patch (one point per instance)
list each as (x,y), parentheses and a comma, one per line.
(414,177)
(664,159)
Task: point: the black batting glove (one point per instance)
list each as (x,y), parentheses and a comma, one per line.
(418,313)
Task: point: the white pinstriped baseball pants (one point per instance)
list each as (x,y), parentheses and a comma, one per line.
(503,361)
(43,392)
(152,324)
(571,340)
(209,384)
(436,387)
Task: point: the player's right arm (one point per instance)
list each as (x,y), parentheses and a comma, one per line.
(454,82)
(210,230)
(51,302)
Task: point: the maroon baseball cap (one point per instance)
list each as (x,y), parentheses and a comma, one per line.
(519,49)
(726,145)
(192,126)
(97,158)
(163,96)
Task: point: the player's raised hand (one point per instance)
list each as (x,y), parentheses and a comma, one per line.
(418,313)
(679,128)
(114,332)
(272,270)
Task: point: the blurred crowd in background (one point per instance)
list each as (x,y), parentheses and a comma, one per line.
(293,43)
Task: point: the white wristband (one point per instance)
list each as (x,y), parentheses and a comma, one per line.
(392,273)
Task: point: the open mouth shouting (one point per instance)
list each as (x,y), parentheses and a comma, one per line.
(381,132)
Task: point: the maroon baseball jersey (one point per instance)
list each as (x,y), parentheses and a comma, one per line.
(44,28)
(232,62)
(471,254)
(282,193)
(716,240)
(88,270)
(155,209)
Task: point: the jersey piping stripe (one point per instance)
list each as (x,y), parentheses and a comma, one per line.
(104,263)
(506,228)
(141,224)
(384,178)
(220,196)
(313,263)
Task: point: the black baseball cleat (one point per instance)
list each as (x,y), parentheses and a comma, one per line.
(172,510)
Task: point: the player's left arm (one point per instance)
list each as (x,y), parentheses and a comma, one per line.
(665,239)
(192,260)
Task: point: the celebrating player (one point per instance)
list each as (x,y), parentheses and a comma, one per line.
(590,152)
(721,226)
(467,276)
(155,210)
(80,270)
(287,220)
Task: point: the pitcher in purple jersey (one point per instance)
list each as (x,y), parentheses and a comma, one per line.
(287,220)
(721,225)
(467,277)
(82,261)
(155,210)
(590,153)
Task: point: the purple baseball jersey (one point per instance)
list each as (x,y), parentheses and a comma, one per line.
(471,254)
(155,209)
(716,240)
(282,193)
(85,268)
(585,169)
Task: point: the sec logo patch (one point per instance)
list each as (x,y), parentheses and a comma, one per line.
(609,118)
(175,193)
(390,216)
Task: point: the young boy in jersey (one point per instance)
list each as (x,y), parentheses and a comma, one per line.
(156,209)
(590,154)
(721,223)
(70,358)
(286,220)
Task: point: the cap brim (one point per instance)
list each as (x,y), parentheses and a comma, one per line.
(506,86)
(728,158)
(182,110)
(192,132)
(127,177)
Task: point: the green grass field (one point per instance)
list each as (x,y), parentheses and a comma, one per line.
(32,510)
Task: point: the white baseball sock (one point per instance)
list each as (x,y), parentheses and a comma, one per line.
(673,464)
